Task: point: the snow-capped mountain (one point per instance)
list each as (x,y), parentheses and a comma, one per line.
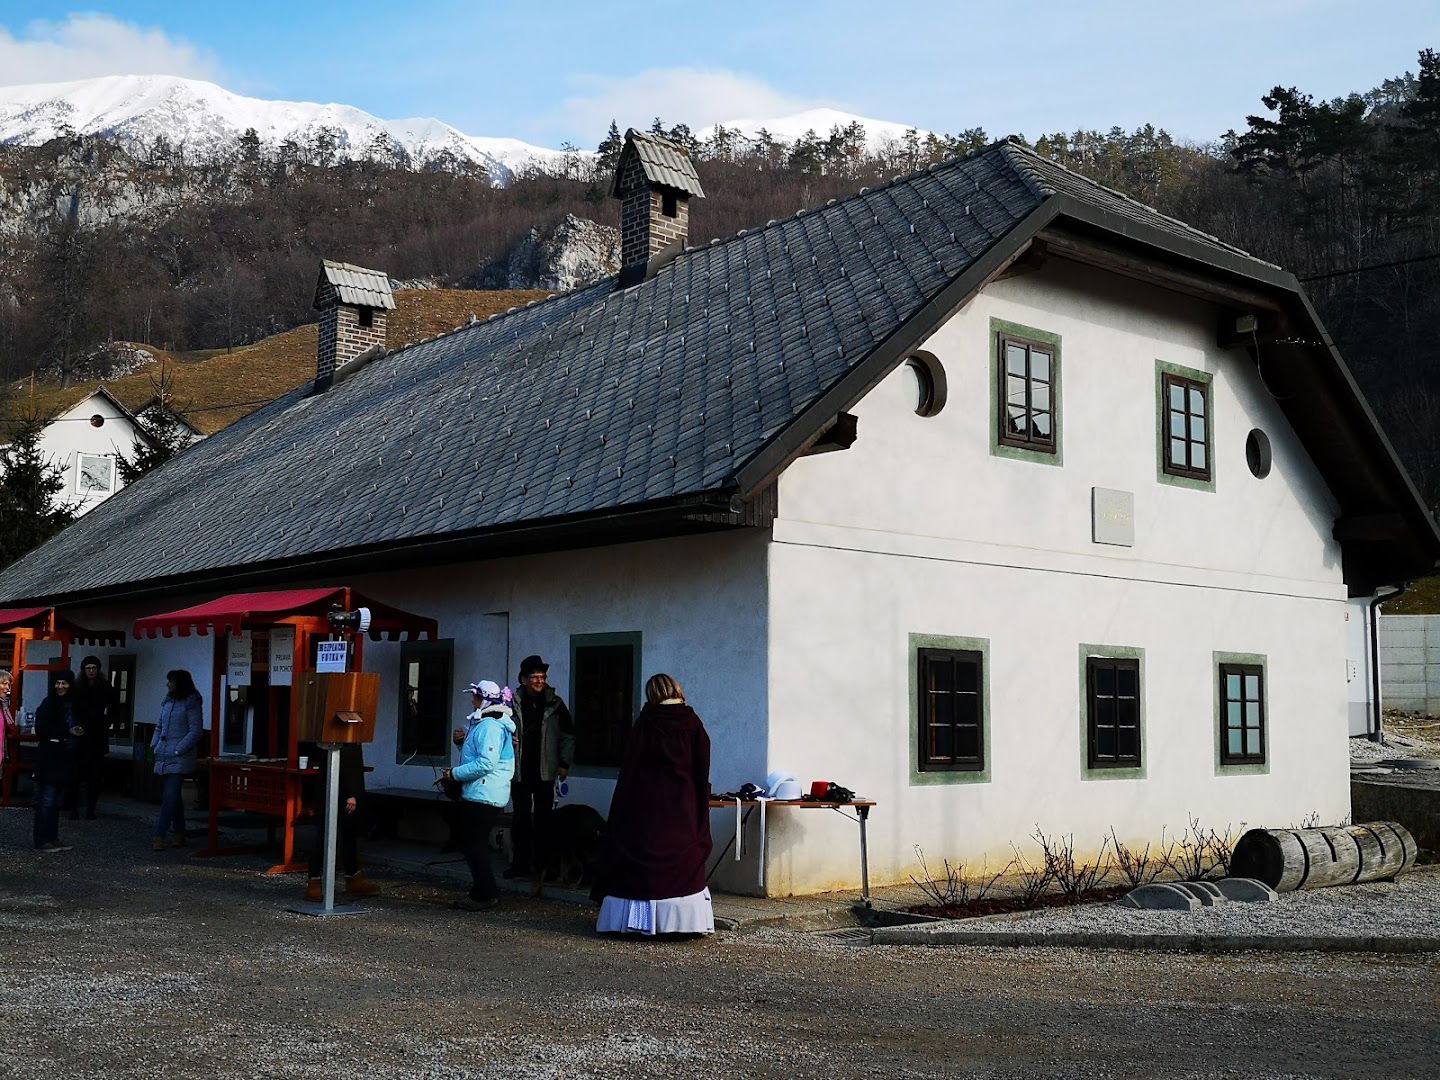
(201,115)
(879,134)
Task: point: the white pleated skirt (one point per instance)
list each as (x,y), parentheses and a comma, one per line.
(693,914)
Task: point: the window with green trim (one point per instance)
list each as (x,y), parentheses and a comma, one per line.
(1187,427)
(1026,382)
(1242,714)
(1112,691)
(951,710)
(604,701)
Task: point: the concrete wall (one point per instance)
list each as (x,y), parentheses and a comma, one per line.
(920,529)
(1410,662)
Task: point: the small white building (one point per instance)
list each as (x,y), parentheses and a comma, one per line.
(988,493)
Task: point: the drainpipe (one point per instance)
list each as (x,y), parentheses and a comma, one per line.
(1377,711)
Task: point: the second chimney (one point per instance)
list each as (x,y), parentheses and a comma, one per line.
(352,302)
(654,181)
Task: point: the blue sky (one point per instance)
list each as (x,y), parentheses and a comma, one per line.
(549,72)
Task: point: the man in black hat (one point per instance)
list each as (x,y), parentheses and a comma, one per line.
(547,746)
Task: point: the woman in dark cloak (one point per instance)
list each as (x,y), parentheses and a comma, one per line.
(657,840)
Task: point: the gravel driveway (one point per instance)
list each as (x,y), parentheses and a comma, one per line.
(122,962)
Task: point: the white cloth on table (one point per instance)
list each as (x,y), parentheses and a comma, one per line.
(693,914)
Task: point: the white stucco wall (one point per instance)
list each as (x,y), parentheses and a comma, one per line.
(918,528)
(72,434)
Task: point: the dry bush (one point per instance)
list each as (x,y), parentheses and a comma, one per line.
(1139,867)
(1202,853)
(952,887)
(1035,878)
(1075,879)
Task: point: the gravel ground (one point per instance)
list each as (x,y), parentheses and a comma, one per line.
(1409,907)
(1404,736)
(120,962)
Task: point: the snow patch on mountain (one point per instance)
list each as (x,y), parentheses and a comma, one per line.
(879,134)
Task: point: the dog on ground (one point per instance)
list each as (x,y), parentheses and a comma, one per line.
(574,836)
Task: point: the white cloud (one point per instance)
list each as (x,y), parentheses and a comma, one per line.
(85,46)
(698,97)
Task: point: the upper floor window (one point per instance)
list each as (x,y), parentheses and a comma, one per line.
(1027,378)
(1186,426)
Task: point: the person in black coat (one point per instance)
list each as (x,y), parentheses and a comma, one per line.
(347,831)
(93,699)
(59,734)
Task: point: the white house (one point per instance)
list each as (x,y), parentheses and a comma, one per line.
(988,493)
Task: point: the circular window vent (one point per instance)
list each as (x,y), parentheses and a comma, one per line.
(97,420)
(929,378)
(1257,454)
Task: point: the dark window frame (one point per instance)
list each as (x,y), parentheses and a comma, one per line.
(409,747)
(1042,444)
(926,708)
(599,749)
(1242,670)
(1095,723)
(1186,468)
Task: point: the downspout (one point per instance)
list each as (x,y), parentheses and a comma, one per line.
(1377,713)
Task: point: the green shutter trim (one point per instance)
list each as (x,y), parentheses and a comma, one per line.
(937,641)
(1119,652)
(1249,768)
(1161,425)
(1019,453)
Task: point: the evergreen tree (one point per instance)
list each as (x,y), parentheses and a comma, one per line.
(165,435)
(30,488)
(608,152)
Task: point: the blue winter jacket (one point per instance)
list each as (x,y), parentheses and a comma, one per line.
(487,758)
(177,735)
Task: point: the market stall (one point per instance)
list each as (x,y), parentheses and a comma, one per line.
(264,642)
(21,631)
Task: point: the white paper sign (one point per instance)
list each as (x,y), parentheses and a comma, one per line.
(282,655)
(237,668)
(331,656)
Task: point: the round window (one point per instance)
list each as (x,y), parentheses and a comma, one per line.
(1257,454)
(97,420)
(929,378)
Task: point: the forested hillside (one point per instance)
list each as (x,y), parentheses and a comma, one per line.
(184,251)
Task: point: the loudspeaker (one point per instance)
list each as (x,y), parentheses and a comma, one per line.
(337,706)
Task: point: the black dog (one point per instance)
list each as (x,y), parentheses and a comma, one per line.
(573,840)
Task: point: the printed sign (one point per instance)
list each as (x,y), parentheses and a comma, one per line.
(237,668)
(331,656)
(1113,517)
(282,655)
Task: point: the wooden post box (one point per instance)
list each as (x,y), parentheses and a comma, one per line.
(337,706)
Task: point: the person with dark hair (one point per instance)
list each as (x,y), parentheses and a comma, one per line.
(176,744)
(546,745)
(59,735)
(657,840)
(93,699)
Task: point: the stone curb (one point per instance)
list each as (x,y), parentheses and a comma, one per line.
(930,937)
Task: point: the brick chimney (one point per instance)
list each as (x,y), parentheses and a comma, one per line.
(654,181)
(352,302)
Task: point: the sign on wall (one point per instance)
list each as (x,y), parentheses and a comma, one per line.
(237,666)
(331,656)
(282,655)
(1112,516)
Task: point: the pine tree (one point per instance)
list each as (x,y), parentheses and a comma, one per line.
(30,487)
(164,433)
(608,152)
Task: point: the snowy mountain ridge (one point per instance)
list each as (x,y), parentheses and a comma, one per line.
(206,117)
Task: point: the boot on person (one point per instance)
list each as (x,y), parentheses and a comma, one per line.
(359,885)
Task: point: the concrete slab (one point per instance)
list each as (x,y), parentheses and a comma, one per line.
(1246,890)
(1161,896)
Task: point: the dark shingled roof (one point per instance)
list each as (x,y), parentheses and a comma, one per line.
(594,402)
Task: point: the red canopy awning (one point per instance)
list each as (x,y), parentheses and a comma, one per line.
(242,611)
(55,626)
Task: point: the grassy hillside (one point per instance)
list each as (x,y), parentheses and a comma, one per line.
(214,388)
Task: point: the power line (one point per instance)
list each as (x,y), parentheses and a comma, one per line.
(1371,266)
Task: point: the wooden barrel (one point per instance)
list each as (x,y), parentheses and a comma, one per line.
(1287,859)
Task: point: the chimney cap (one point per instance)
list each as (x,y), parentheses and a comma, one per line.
(665,164)
(347,284)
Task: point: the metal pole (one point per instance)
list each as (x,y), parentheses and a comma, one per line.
(332,819)
(864,812)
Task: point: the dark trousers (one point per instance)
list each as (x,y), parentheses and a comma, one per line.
(347,831)
(530,831)
(47,812)
(476,821)
(172,806)
(89,771)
